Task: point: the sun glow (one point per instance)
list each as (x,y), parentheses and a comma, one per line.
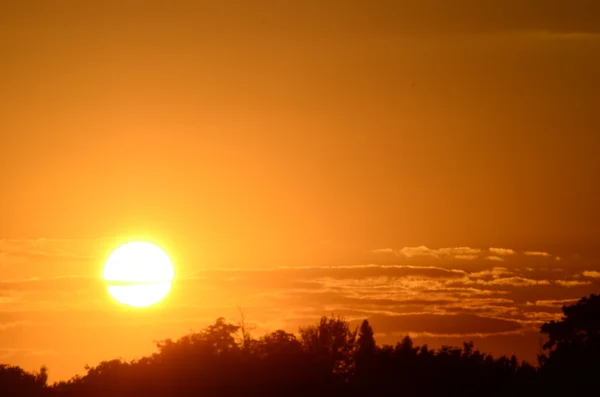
(138,274)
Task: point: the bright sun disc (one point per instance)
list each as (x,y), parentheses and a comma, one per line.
(138,274)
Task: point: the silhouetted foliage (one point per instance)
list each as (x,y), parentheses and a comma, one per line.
(573,347)
(580,325)
(331,343)
(331,359)
(14,381)
(366,341)
(366,349)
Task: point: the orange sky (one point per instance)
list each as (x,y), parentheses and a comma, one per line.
(288,137)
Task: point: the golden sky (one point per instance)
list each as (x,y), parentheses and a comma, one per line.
(294,159)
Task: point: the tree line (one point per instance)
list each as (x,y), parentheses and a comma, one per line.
(331,358)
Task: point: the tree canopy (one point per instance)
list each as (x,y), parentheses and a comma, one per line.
(332,358)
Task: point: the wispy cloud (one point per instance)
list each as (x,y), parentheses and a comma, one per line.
(442,324)
(572,283)
(14,324)
(465,335)
(510,281)
(466,257)
(422,250)
(10,353)
(384,251)
(465,253)
(493,272)
(536,253)
(542,316)
(591,274)
(552,303)
(502,251)
(62,249)
(460,253)
(495,258)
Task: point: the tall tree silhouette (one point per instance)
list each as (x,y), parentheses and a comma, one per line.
(365,360)
(366,340)
(365,349)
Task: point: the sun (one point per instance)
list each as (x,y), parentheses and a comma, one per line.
(138,274)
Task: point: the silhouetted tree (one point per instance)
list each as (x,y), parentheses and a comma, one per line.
(245,339)
(573,346)
(366,341)
(366,349)
(329,359)
(331,342)
(14,381)
(279,343)
(579,326)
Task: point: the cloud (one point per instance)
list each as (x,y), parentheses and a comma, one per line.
(442,324)
(298,277)
(14,324)
(466,257)
(495,258)
(536,253)
(493,272)
(422,250)
(384,251)
(553,303)
(543,316)
(557,303)
(511,281)
(460,251)
(572,283)
(461,336)
(12,353)
(61,283)
(502,251)
(49,248)
(465,253)
(591,274)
